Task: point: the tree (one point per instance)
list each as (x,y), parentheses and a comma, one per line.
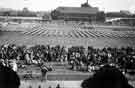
(100,17)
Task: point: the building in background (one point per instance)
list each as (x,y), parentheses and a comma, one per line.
(25,14)
(83,13)
(122,17)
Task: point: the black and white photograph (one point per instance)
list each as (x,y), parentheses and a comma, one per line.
(67,43)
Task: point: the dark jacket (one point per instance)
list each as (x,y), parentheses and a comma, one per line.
(106,77)
(8,78)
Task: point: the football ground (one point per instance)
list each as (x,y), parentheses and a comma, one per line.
(67,35)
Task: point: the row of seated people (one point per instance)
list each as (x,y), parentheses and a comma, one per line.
(77,56)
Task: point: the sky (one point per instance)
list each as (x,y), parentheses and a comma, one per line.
(48,5)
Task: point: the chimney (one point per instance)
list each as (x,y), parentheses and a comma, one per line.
(87,2)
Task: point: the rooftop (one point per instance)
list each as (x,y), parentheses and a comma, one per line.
(80,10)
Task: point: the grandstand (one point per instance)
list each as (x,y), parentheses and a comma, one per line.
(122,21)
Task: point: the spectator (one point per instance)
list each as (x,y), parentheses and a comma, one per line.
(49,87)
(39,86)
(8,78)
(106,77)
(58,86)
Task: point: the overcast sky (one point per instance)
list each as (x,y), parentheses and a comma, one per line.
(47,5)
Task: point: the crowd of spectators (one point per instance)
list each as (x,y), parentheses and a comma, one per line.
(77,56)
(123,58)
